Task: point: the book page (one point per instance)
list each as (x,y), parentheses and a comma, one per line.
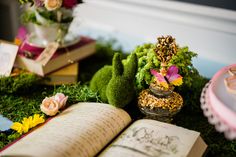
(81,130)
(7,58)
(150,138)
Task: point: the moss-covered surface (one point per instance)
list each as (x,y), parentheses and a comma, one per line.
(15,105)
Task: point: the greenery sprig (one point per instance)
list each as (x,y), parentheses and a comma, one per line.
(147,60)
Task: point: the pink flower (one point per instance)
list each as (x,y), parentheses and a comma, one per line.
(69,3)
(61,99)
(22,32)
(49,106)
(21,35)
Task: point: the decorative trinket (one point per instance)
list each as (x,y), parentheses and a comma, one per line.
(160,102)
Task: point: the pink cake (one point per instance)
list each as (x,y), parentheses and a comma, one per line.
(219,105)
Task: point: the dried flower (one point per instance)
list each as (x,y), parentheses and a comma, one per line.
(27,123)
(49,106)
(165,49)
(37,119)
(17,127)
(52,4)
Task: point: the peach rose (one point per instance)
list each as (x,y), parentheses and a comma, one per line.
(61,99)
(52,4)
(49,106)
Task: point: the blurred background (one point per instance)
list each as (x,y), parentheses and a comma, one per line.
(208,27)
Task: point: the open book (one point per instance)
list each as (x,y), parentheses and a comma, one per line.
(89,129)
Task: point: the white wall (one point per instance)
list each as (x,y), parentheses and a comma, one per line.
(211,32)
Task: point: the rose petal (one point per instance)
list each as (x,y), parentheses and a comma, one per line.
(61,99)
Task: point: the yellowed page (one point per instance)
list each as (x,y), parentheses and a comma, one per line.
(150,138)
(81,130)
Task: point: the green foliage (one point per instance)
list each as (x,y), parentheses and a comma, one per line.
(29,16)
(78,93)
(115,84)
(20,83)
(183,60)
(147,60)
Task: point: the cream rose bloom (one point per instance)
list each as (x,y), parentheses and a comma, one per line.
(61,99)
(52,4)
(49,106)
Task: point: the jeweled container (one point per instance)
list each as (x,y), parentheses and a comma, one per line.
(160,104)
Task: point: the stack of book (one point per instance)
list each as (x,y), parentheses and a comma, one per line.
(62,68)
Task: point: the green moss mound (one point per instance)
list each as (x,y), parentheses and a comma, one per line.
(115,83)
(120,89)
(100,81)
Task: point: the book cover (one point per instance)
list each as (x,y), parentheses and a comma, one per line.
(66,75)
(63,57)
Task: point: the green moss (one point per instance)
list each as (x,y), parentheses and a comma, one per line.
(100,81)
(115,83)
(120,89)
(78,93)
(18,84)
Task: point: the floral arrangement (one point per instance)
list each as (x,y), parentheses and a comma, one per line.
(50,18)
(41,11)
(161,56)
